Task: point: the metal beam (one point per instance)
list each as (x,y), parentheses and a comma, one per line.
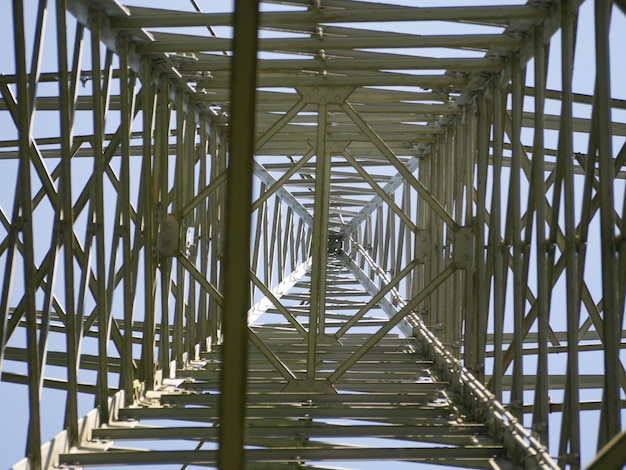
(237,258)
(153,18)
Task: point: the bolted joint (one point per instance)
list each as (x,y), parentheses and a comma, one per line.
(174,239)
(169,241)
(310,386)
(422,246)
(571,459)
(463,247)
(325,94)
(335,243)
(336,148)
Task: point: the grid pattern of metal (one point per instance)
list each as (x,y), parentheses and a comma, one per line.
(426,253)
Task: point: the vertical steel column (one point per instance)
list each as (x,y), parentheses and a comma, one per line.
(287,251)
(378,243)
(438,243)
(126,113)
(256,249)
(470,290)
(300,241)
(278,241)
(514,210)
(480,267)
(570,427)
(264,234)
(458,166)
(189,220)
(401,229)
(148,341)
(118,227)
(215,229)
(439,263)
(237,257)
(409,240)
(204,233)
(320,241)
(499,262)
(587,213)
(66,222)
(390,248)
(424,220)
(368,232)
(98,201)
(85,269)
(610,422)
(541,405)
(450,288)
(273,241)
(179,194)
(25,219)
(160,204)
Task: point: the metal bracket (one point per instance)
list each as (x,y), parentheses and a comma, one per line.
(464,247)
(422,246)
(327,340)
(336,148)
(169,236)
(325,94)
(310,385)
(172,242)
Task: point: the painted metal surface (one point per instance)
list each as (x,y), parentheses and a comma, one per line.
(157,185)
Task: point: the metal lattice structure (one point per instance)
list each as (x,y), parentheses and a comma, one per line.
(333,231)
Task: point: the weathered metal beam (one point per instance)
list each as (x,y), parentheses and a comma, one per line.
(362,80)
(23,220)
(611,418)
(153,18)
(297,454)
(237,258)
(319,241)
(310,430)
(475,41)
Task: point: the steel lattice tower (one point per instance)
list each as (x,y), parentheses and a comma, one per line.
(312,233)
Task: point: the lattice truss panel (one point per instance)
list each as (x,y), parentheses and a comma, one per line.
(436,232)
